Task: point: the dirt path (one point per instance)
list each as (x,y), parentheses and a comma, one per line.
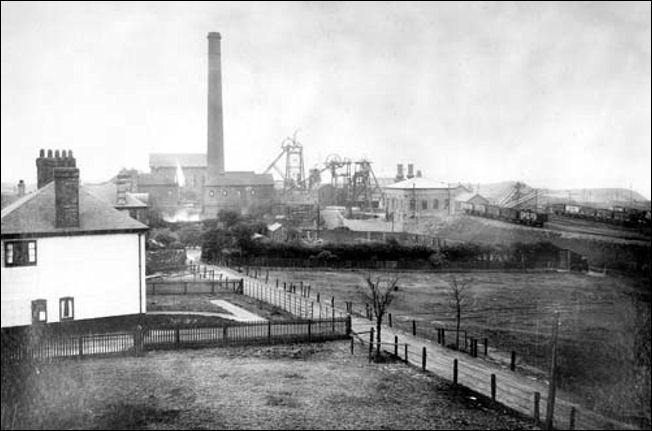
(233,312)
(513,389)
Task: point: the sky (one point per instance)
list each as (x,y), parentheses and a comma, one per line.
(553,94)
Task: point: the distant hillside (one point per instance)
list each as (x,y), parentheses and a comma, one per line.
(599,197)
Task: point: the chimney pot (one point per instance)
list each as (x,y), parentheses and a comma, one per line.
(41,153)
(49,154)
(66,197)
(56,154)
(410,173)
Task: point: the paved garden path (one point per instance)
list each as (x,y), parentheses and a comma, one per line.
(234,312)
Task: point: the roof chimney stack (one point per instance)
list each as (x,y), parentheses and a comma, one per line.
(66,197)
(122,186)
(45,166)
(21,188)
(399,173)
(215,141)
(419,173)
(410,173)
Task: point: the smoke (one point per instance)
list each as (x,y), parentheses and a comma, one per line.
(180,179)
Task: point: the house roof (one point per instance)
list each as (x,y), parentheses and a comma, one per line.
(417,183)
(34,215)
(241,178)
(108,192)
(171,160)
(274,226)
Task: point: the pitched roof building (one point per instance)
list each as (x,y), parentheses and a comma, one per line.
(67,254)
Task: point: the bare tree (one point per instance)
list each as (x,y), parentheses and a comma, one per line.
(458,295)
(380,292)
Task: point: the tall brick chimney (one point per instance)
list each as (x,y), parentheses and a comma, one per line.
(45,165)
(66,197)
(215,141)
(21,188)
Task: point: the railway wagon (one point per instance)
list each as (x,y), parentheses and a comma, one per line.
(509,214)
(532,218)
(493,211)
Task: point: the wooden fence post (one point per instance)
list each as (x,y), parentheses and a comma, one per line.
(352,345)
(438,335)
(177,338)
(537,401)
(348,325)
(443,337)
(309,325)
(455,371)
(571,421)
(396,345)
(269,329)
(390,319)
(414,327)
(371,343)
(277,282)
(225,334)
(493,387)
(486,343)
(266,276)
(423,358)
(512,364)
(81,346)
(406,353)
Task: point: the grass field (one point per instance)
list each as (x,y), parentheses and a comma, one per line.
(308,386)
(604,330)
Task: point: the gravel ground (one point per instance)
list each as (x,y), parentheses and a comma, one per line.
(307,386)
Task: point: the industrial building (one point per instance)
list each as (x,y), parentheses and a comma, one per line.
(178,180)
(417,197)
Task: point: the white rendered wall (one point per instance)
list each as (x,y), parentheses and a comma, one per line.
(101,273)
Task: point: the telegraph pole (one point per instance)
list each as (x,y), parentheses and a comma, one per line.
(552,386)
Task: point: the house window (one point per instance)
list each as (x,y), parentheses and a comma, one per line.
(424,205)
(20,253)
(413,204)
(39,311)
(435,204)
(211,193)
(66,308)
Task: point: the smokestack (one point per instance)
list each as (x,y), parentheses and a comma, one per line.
(215,148)
(399,173)
(410,173)
(45,165)
(122,186)
(66,197)
(21,188)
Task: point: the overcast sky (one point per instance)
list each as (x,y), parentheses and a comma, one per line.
(556,95)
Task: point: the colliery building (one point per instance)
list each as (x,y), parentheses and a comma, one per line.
(202,177)
(418,197)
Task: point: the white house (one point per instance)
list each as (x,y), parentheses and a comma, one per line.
(67,255)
